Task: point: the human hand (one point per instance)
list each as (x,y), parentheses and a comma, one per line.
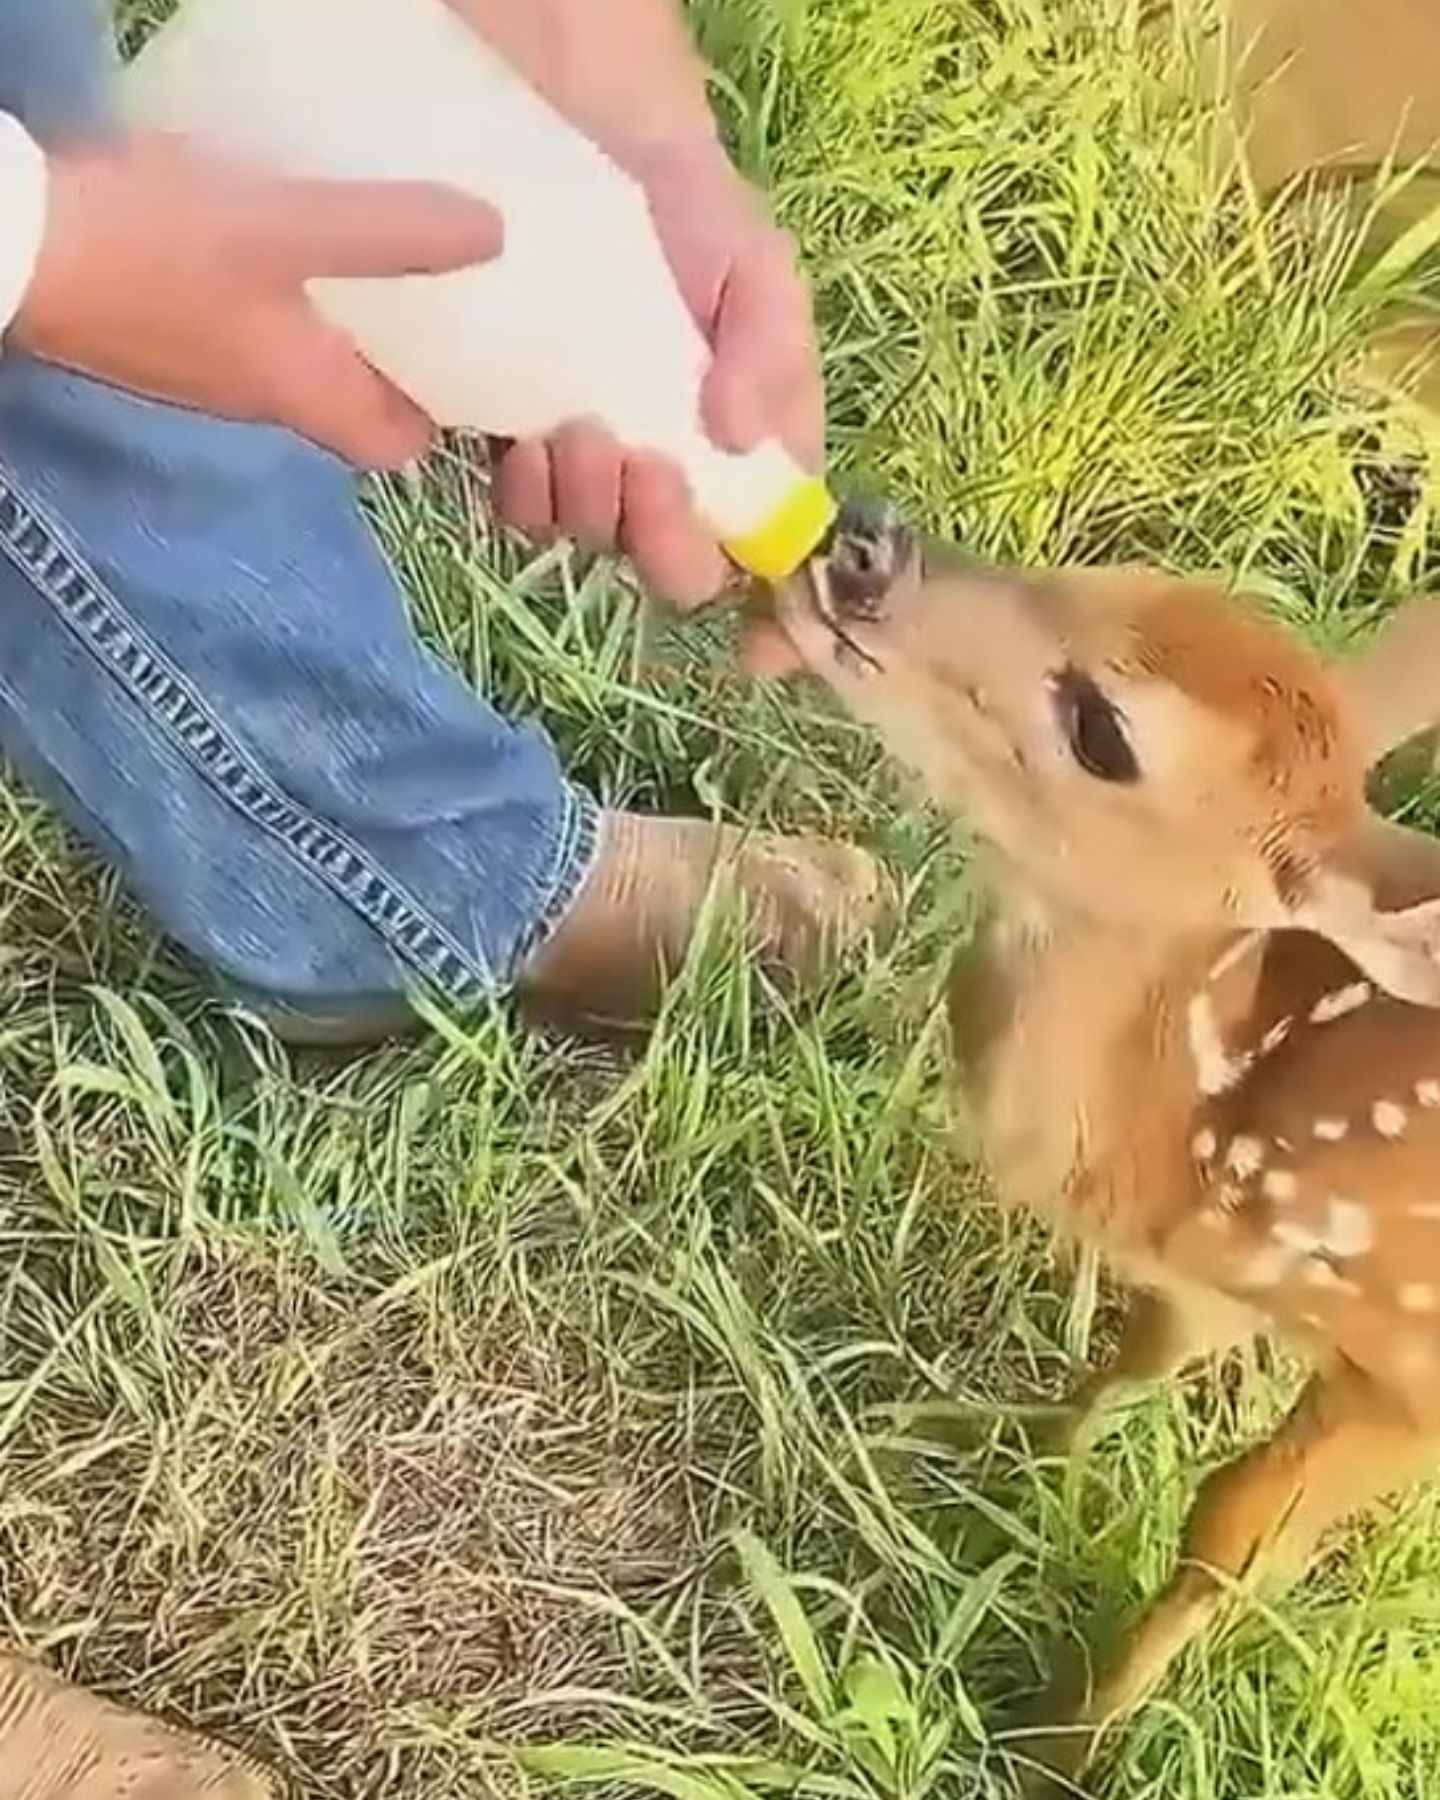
(741,281)
(182,277)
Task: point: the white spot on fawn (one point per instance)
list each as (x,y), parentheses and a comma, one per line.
(1330,1007)
(1330,1131)
(1280,1184)
(1203,1145)
(1215,1069)
(1389,1118)
(1417,1297)
(1428,1093)
(1244,1156)
(1275,1036)
(1349,1229)
(1346,1230)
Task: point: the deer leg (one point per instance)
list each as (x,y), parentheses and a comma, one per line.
(1161,1337)
(1345,1445)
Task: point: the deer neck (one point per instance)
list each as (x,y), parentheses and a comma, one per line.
(1076,1040)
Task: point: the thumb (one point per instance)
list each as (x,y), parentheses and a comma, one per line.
(355,229)
(765,377)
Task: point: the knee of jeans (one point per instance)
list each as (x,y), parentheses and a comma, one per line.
(229,895)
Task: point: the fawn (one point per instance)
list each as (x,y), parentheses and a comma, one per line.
(1197,1027)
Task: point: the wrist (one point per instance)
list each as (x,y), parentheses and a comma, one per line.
(662,159)
(624,71)
(24,208)
(692,171)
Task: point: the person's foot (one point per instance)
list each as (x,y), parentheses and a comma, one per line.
(60,1743)
(803,900)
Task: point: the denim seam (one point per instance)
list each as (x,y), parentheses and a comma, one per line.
(578,845)
(40,551)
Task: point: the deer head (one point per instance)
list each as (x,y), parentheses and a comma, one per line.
(1140,750)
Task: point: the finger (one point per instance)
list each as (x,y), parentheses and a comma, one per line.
(588,469)
(672,553)
(326,391)
(382,228)
(524,491)
(765,379)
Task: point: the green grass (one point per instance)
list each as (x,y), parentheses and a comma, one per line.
(408,1420)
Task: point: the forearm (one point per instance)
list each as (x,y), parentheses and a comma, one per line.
(625,71)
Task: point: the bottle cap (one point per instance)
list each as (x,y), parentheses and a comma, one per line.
(792,533)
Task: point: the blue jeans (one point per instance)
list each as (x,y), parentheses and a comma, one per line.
(206,666)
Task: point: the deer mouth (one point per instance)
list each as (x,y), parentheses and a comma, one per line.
(830,617)
(798,628)
(822,585)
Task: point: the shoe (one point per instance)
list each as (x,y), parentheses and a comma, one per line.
(58,1742)
(804,902)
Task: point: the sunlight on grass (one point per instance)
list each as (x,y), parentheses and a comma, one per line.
(491,1414)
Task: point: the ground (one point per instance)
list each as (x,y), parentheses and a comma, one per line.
(399,1418)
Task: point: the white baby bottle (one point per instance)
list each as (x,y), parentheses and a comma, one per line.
(579,317)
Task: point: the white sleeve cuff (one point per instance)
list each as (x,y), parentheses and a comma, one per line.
(24,192)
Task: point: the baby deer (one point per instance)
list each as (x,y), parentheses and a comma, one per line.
(1196,1029)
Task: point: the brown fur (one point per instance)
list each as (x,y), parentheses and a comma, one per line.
(1332,84)
(1328,92)
(1234,938)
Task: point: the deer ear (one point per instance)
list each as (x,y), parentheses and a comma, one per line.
(1392,684)
(1399,950)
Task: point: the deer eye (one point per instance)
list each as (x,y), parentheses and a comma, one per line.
(1093,728)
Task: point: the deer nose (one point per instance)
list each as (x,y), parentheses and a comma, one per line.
(870,547)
